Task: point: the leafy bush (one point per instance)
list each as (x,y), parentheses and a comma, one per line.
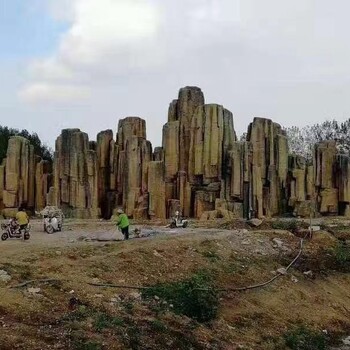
(104,321)
(303,338)
(342,254)
(194,297)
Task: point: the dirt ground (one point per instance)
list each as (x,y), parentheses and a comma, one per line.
(314,294)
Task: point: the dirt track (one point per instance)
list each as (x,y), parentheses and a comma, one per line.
(84,233)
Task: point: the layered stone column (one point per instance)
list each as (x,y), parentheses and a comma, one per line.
(75,176)
(18,176)
(134,155)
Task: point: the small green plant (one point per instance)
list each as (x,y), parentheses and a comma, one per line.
(303,338)
(80,314)
(81,342)
(211,255)
(132,338)
(104,321)
(342,254)
(287,225)
(194,297)
(159,326)
(129,307)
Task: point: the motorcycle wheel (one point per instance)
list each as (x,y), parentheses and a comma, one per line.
(4,236)
(172,225)
(49,229)
(26,236)
(185,224)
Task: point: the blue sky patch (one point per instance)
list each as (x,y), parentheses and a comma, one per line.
(27,30)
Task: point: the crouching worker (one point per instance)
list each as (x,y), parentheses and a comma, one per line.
(22,219)
(123,223)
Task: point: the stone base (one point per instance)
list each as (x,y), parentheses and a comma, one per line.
(217,214)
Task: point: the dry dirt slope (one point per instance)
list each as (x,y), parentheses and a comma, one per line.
(294,307)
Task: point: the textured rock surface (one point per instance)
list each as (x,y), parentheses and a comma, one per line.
(18,186)
(156,188)
(42,184)
(201,170)
(268,167)
(76,175)
(135,152)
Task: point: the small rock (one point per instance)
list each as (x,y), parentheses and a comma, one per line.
(135,295)
(34,290)
(246,242)
(71,292)
(95,280)
(156,297)
(315,228)
(346,341)
(71,241)
(282,271)
(309,274)
(100,296)
(278,242)
(115,300)
(255,222)
(155,253)
(4,276)
(294,279)
(58,253)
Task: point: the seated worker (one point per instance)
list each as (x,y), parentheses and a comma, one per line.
(123,223)
(22,219)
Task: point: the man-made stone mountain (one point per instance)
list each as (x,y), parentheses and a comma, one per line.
(201,170)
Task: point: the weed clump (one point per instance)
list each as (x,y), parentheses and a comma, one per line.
(303,338)
(194,297)
(104,321)
(342,253)
(212,256)
(287,225)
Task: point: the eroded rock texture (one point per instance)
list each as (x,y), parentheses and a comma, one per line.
(76,170)
(21,183)
(201,170)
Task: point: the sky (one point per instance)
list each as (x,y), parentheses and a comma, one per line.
(88,63)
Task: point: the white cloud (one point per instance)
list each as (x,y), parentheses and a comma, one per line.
(284,59)
(45,92)
(105,36)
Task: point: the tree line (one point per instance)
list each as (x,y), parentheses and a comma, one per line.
(40,149)
(301,140)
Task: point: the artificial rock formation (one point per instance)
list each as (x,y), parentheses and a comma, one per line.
(76,168)
(201,170)
(24,178)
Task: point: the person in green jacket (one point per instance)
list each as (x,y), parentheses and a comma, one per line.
(123,223)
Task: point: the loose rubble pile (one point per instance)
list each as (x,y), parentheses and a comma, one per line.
(201,170)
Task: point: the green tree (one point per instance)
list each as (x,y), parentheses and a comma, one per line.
(40,149)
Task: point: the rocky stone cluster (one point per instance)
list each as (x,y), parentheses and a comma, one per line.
(24,178)
(201,170)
